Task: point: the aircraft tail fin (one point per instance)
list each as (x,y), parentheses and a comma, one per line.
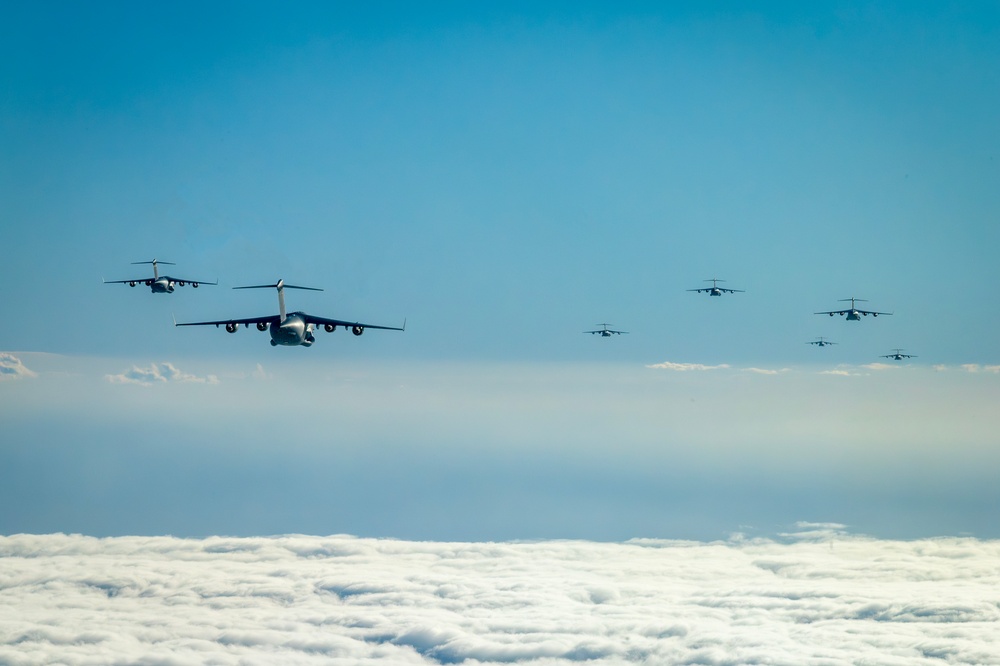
(156,273)
(280,286)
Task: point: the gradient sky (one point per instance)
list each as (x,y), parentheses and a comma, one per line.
(503,178)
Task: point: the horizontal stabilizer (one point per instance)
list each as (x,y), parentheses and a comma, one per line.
(277,285)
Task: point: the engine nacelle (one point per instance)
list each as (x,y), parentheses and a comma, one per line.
(232,327)
(874,314)
(262,326)
(180,282)
(149,283)
(131,284)
(329,328)
(194,284)
(357,330)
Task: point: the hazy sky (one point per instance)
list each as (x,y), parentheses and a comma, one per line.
(502,179)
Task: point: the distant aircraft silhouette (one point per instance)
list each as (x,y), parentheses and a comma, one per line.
(715,289)
(897,355)
(853,313)
(606,332)
(159,284)
(820,342)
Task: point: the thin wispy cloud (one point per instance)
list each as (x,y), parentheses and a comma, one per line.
(816,596)
(686,367)
(878,366)
(972,368)
(11,367)
(766,371)
(159,373)
(699,367)
(975,367)
(807,530)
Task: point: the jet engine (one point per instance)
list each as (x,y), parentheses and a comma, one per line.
(232,327)
(194,284)
(329,328)
(180,282)
(874,314)
(149,283)
(262,326)
(131,284)
(357,330)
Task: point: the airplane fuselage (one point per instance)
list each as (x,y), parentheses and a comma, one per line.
(715,292)
(161,286)
(292,331)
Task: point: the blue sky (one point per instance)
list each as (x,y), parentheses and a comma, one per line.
(503,179)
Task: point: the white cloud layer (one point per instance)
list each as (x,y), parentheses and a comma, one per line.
(818,597)
(159,373)
(11,367)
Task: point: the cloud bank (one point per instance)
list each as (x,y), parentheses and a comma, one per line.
(11,367)
(159,373)
(817,597)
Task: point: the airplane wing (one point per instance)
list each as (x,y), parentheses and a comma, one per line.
(874,314)
(183,281)
(700,290)
(269,319)
(731,291)
(834,312)
(141,280)
(310,319)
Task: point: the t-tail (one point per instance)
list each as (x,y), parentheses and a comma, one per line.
(280,286)
(156,273)
(852,299)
